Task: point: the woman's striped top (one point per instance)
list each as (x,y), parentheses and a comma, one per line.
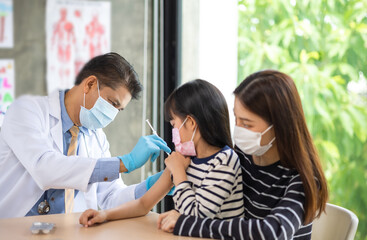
(213,188)
(273,199)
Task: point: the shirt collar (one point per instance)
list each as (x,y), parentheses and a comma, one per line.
(206,159)
(66,121)
(86,131)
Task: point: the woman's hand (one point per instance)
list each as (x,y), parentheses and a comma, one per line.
(167,220)
(91,216)
(177,165)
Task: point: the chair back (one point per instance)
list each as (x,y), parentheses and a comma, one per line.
(336,223)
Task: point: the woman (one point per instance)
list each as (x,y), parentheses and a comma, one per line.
(284,185)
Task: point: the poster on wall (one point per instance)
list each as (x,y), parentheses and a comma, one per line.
(6,86)
(76,31)
(6,24)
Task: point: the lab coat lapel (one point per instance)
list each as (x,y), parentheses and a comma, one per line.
(55,120)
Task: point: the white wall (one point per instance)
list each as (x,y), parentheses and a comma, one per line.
(209,46)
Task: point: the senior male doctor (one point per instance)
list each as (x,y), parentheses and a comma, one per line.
(54,156)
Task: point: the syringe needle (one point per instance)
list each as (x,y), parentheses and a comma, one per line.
(151,127)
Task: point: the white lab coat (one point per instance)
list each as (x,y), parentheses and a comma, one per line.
(32,160)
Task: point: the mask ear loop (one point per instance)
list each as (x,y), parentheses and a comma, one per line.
(84,101)
(98,94)
(98,88)
(192,138)
(182,124)
(267,129)
(272,140)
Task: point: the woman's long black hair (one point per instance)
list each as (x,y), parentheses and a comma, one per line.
(207,105)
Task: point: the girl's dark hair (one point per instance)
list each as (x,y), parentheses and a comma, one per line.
(112,70)
(274,97)
(206,104)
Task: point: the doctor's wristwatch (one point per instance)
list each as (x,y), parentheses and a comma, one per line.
(44,206)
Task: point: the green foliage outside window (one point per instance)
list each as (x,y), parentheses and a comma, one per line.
(322,45)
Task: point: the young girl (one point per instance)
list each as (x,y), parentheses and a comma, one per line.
(207,185)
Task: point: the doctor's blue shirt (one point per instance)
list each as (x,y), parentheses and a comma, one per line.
(106,169)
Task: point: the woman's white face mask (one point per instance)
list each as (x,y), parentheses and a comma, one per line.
(249,142)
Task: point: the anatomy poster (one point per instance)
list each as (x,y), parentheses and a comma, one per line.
(6,24)
(76,31)
(6,86)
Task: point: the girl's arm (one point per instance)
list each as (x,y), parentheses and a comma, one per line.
(135,208)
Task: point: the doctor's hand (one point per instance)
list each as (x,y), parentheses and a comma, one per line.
(147,146)
(91,216)
(151,180)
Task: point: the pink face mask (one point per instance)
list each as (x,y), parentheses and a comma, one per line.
(186,148)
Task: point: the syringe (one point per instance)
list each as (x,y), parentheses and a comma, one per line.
(154,131)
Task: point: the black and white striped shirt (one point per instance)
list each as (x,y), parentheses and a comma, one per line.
(273,200)
(214,187)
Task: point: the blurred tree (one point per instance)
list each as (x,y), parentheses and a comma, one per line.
(322,45)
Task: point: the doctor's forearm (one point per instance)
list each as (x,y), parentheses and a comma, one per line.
(105,170)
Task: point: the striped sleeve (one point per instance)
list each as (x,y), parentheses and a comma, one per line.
(207,200)
(283,222)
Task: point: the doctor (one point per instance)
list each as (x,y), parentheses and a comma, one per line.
(54,156)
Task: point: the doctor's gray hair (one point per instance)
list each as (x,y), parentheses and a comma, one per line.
(112,70)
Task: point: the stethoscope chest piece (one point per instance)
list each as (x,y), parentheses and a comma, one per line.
(43,207)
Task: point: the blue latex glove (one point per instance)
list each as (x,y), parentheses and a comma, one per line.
(153,179)
(147,146)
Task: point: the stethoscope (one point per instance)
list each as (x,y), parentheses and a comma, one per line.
(44,207)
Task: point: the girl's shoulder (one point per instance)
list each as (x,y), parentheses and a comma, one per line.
(227,156)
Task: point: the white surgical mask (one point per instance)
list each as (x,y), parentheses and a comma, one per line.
(249,142)
(99,116)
